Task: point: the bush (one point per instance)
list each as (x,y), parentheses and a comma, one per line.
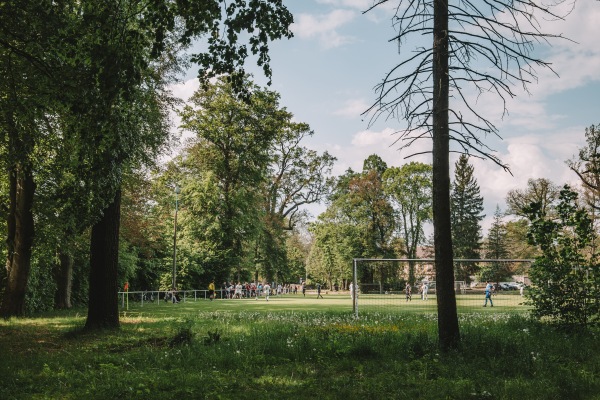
(564,278)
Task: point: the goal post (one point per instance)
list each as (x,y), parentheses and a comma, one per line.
(382,284)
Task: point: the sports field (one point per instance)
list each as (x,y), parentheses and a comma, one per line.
(339,302)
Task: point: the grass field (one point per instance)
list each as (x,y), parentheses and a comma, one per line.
(342,302)
(294,347)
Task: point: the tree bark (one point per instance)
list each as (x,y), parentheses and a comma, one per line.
(448,329)
(63,275)
(19,241)
(103,306)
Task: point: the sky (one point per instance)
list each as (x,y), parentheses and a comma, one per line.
(327,72)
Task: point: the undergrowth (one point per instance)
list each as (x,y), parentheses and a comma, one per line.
(288,355)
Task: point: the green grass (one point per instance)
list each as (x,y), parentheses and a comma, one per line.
(293,347)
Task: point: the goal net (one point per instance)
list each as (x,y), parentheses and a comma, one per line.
(401,284)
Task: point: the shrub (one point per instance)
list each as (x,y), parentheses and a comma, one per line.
(565,280)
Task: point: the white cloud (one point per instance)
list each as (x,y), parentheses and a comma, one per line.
(324,27)
(357,4)
(351,154)
(529,157)
(184,90)
(352,108)
(576,61)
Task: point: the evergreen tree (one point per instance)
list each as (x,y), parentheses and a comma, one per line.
(465,212)
(496,248)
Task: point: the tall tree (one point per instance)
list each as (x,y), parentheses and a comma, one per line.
(374,163)
(518,246)
(496,248)
(335,244)
(410,188)
(358,199)
(587,165)
(587,168)
(371,208)
(466,205)
(108,53)
(231,151)
(539,190)
(487,44)
(297,176)
(28,96)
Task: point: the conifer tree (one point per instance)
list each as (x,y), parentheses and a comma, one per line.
(496,248)
(466,205)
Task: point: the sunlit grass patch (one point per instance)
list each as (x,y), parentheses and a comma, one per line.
(242,352)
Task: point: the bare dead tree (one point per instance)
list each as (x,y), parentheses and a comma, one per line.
(478,47)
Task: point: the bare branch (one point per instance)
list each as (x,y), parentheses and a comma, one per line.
(491,45)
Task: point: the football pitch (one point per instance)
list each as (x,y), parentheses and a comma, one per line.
(338,302)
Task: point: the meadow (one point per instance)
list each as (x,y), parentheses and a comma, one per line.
(294,347)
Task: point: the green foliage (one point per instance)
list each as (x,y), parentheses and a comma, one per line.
(87,92)
(565,278)
(587,165)
(41,286)
(542,191)
(496,248)
(330,257)
(359,222)
(320,354)
(410,186)
(229,160)
(466,206)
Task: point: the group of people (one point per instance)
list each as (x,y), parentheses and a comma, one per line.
(423,290)
(232,290)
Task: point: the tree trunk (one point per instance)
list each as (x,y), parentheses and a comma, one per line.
(19,241)
(448,329)
(63,275)
(103,307)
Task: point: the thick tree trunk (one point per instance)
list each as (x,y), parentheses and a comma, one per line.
(103,307)
(448,329)
(63,275)
(19,241)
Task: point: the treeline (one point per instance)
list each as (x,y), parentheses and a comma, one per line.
(85,106)
(381,211)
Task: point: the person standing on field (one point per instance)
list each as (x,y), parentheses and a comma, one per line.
(319,291)
(425,290)
(211,290)
(267,289)
(488,294)
(408,291)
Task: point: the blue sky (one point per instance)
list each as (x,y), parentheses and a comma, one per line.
(327,72)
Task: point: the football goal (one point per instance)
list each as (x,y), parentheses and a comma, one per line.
(403,284)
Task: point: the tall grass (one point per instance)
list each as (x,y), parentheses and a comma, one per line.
(224,353)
